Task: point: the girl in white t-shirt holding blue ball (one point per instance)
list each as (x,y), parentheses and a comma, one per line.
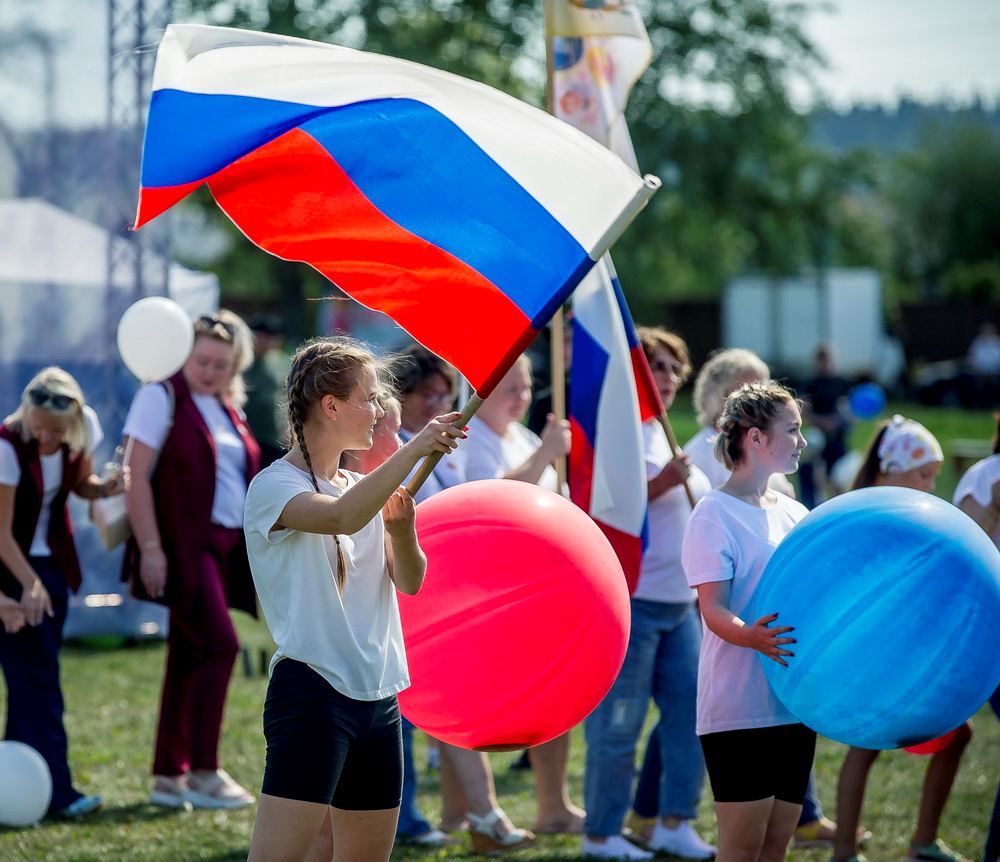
(757,753)
(328,548)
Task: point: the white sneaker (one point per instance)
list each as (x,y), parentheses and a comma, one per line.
(682,841)
(616,847)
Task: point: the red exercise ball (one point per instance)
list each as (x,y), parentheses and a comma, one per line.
(522,622)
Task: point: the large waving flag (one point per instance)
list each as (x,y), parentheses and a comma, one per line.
(465,215)
(597,53)
(607,470)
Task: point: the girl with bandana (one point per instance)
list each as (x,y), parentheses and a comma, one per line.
(904,454)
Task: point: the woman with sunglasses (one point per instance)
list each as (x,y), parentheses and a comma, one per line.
(661,663)
(45,453)
(193,458)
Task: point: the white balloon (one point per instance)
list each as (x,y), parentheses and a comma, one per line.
(155,337)
(25,784)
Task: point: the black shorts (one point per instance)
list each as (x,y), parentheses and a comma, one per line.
(746,765)
(325,747)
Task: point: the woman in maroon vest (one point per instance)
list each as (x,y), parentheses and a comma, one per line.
(44,454)
(193,457)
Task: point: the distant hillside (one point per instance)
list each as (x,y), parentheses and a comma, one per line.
(891,129)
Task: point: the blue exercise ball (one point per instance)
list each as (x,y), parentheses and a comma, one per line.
(866,400)
(895,599)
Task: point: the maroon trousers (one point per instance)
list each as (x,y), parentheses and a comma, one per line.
(201,649)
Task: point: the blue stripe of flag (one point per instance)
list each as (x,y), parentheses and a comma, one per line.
(590,365)
(420,169)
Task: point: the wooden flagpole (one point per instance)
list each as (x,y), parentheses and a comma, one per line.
(674,449)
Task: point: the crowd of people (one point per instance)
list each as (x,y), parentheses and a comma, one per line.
(302,510)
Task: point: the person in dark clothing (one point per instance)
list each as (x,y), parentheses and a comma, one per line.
(45,448)
(265,383)
(824,398)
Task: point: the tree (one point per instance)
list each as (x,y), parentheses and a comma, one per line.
(946,198)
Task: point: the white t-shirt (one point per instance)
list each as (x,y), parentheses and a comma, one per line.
(149,420)
(353,639)
(450,470)
(662,578)
(491,456)
(729,539)
(10,474)
(978,483)
(701,451)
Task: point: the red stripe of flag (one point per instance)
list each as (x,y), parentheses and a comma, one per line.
(293,200)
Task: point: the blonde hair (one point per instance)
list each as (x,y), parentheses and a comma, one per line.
(242,341)
(58,382)
(324,366)
(720,376)
(753,405)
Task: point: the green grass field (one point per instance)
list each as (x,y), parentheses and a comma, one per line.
(112,699)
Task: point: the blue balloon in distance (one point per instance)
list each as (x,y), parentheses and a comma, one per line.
(895,599)
(867,400)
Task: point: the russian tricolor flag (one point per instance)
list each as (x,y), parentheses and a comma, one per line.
(612,394)
(465,215)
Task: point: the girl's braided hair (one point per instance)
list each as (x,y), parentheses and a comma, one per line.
(323,366)
(753,405)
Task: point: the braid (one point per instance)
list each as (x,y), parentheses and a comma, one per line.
(297,410)
(323,366)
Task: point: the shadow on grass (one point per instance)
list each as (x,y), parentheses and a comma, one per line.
(141,812)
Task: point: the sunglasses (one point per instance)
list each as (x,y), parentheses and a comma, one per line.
(41,397)
(442,399)
(209,322)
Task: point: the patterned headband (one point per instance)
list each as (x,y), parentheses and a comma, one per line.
(906,445)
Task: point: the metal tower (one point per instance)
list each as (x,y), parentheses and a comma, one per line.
(138,262)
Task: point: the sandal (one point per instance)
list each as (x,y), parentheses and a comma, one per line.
(487,839)
(936,851)
(820,833)
(169,792)
(217,791)
(640,827)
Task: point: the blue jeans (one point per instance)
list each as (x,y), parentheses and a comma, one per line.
(662,663)
(30,661)
(411,822)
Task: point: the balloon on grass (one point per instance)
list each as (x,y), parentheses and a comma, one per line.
(522,622)
(25,784)
(894,595)
(155,337)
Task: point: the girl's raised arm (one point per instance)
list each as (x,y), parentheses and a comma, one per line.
(319,513)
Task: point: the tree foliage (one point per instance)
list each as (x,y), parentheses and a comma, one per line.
(946,197)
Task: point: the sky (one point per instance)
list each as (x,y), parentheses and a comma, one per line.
(878,50)
(881,49)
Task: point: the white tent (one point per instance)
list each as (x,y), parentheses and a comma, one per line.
(54,290)
(58,308)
